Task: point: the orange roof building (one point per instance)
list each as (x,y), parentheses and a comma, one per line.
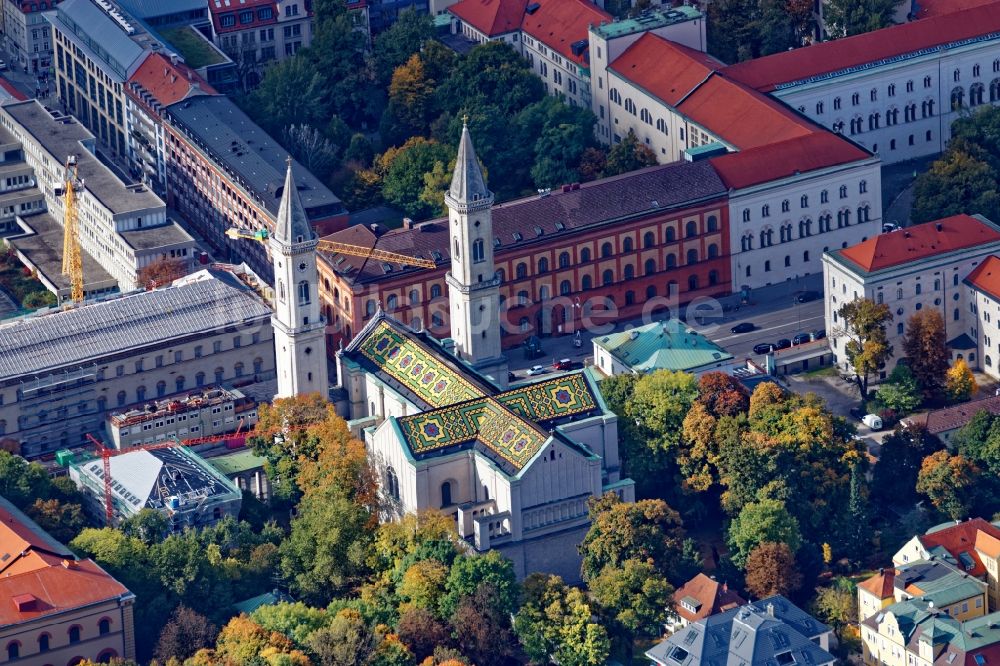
(701,597)
(54,608)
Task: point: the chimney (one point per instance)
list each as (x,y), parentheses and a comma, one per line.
(770,609)
(407,223)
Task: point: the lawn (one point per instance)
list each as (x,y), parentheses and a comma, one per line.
(22,285)
(197,51)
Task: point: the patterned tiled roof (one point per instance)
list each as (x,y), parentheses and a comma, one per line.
(462,408)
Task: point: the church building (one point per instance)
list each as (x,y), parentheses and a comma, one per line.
(514,466)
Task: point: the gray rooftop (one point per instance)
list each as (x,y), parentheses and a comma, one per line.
(152,238)
(146,9)
(249,154)
(55,340)
(120,43)
(43,246)
(770,632)
(60,137)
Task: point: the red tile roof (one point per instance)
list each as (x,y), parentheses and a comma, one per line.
(881,584)
(920,242)
(168,82)
(817,150)
(952,418)
(986,277)
(768,72)
(491,17)
(713,597)
(665,69)
(41,577)
(560,23)
(961,538)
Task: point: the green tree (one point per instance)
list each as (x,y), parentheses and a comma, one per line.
(956,183)
(292,92)
(836,605)
(647,530)
(295,620)
(558,152)
(555,624)
(22,482)
(900,392)
(659,404)
(950,482)
(758,522)
(436,183)
(469,573)
(894,479)
(411,102)
(628,155)
(60,519)
(635,601)
(960,383)
(148,526)
(491,75)
(404,178)
(858,525)
(866,344)
(771,570)
(926,346)
(844,18)
(347,641)
(403,40)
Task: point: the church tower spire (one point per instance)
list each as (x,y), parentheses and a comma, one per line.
(473,285)
(299,330)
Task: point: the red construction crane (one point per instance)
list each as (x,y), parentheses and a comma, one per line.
(107,454)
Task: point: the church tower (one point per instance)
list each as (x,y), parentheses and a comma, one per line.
(473,285)
(299,330)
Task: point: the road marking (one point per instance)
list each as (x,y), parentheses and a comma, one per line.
(764,330)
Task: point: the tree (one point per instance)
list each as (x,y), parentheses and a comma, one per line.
(858,525)
(491,75)
(404,179)
(555,624)
(894,479)
(423,584)
(161,272)
(722,394)
(771,570)
(185,633)
(837,605)
(628,155)
(62,520)
(659,403)
(295,620)
(243,642)
(411,102)
(469,573)
(866,344)
(148,526)
(960,384)
(308,145)
(347,641)
(958,182)
(436,182)
(292,92)
(482,628)
(647,530)
(422,632)
(558,152)
(22,482)
(758,522)
(950,482)
(635,600)
(900,392)
(401,42)
(926,346)
(844,18)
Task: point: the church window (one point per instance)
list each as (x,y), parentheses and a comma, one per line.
(304,292)
(478,251)
(392,483)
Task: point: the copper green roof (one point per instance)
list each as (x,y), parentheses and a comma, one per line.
(668,345)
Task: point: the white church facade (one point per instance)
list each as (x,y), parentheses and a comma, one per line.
(514,466)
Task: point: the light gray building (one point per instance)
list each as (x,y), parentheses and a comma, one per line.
(62,371)
(27,34)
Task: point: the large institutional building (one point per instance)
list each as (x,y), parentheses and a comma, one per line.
(514,466)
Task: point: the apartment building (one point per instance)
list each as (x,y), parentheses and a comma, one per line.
(27,34)
(255,33)
(59,609)
(97,47)
(123,228)
(936,580)
(918,267)
(61,372)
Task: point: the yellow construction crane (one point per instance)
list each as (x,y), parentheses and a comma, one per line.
(343,248)
(72,261)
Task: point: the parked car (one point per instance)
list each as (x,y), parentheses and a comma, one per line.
(801,338)
(743,327)
(889,227)
(783,343)
(873,421)
(806,296)
(3,66)
(537,370)
(563,364)
(820,334)
(763,348)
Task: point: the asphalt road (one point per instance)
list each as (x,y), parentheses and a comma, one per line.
(770,325)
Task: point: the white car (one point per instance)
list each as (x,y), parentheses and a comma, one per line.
(537,370)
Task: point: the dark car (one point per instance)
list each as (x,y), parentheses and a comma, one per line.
(820,334)
(783,343)
(801,338)
(742,327)
(763,348)
(806,296)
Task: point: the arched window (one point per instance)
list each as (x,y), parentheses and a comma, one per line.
(43,643)
(106,656)
(435,291)
(521,271)
(691,229)
(661,125)
(650,267)
(977,91)
(392,483)
(122,398)
(522,297)
(585,255)
(671,261)
(627,244)
(607,277)
(414,297)
(179,383)
(630,105)
(692,282)
(648,239)
(258,365)
(646,116)
(671,235)
(370,306)
(957,98)
(543,265)
(606,250)
(713,251)
(988,361)
(161,389)
(478,251)
(104,626)
(586,282)
(788,261)
(629,297)
(628,272)
(712,223)
(785,206)
(281,290)
(650,291)
(391,302)
(74,634)
(238,369)
(564,260)
(303,292)
(565,287)
(615,96)
(692,256)
(995,90)
(13,650)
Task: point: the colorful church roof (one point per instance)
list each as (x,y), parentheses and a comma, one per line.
(463,408)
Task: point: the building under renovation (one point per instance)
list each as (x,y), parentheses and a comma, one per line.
(174,481)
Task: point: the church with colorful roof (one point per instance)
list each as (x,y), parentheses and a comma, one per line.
(514,465)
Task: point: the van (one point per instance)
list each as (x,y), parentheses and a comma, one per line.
(873,421)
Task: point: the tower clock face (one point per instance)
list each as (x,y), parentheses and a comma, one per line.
(302,267)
